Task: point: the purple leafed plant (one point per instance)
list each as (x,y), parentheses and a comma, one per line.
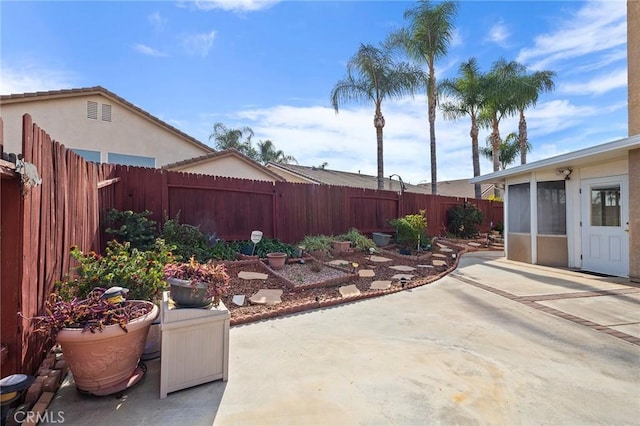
(215,277)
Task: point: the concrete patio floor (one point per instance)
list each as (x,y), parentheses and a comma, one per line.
(496,342)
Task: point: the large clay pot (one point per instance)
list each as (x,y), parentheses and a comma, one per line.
(105,359)
(276,260)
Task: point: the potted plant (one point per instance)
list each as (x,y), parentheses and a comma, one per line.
(277,260)
(102,338)
(194,284)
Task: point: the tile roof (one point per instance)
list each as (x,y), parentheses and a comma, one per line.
(85,91)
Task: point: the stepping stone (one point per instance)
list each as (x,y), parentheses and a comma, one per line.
(366,273)
(441,245)
(402,277)
(380,285)
(266,297)
(475,244)
(238,299)
(446,250)
(439,255)
(439,263)
(425,266)
(379,259)
(338,262)
(349,290)
(403,268)
(252,275)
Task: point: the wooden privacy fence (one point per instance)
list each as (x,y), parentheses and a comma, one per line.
(39,227)
(232,208)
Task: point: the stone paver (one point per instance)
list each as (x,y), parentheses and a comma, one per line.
(379,259)
(366,273)
(474,244)
(446,250)
(380,285)
(349,290)
(439,255)
(338,262)
(439,263)
(266,297)
(403,268)
(425,266)
(402,277)
(238,299)
(245,275)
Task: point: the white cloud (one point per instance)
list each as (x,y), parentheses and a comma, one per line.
(231,5)
(157,21)
(199,44)
(498,34)
(598,85)
(34,78)
(149,51)
(597,27)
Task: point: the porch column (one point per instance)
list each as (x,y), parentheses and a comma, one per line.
(633,70)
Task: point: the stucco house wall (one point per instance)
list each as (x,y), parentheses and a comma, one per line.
(228,166)
(64,114)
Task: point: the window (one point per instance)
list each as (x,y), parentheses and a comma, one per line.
(552,208)
(106,112)
(519,205)
(605,205)
(88,155)
(92,110)
(131,160)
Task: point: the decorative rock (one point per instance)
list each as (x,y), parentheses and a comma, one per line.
(349,290)
(439,255)
(402,277)
(238,299)
(366,273)
(380,285)
(266,297)
(473,244)
(338,262)
(245,275)
(403,268)
(439,263)
(379,259)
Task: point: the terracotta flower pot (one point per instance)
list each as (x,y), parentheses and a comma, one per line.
(276,260)
(340,246)
(105,359)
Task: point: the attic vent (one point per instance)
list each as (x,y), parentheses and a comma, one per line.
(106,112)
(92,110)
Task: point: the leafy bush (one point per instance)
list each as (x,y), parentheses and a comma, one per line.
(359,241)
(189,241)
(463,220)
(140,271)
(136,228)
(316,242)
(411,230)
(273,245)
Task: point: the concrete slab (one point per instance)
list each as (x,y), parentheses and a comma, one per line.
(630,329)
(349,290)
(366,273)
(266,297)
(380,285)
(402,268)
(246,275)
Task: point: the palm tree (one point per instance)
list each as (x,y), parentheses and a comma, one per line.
(267,152)
(527,89)
(373,76)
(233,139)
(507,151)
(426,40)
(466,96)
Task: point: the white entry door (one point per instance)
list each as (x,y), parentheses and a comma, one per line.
(605,225)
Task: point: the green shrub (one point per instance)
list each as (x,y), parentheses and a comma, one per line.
(135,228)
(359,241)
(188,240)
(411,230)
(273,245)
(140,271)
(316,242)
(463,220)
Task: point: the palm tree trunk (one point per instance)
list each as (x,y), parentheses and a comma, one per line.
(378,122)
(475,154)
(522,137)
(431,94)
(495,145)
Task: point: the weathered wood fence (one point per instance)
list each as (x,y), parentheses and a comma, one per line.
(40,226)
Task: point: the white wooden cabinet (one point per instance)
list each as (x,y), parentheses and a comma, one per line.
(195,346)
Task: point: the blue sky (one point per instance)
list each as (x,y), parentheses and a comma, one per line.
(271,65)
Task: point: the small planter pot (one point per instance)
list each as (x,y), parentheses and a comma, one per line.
(184,295)
(276,260)
(381,239)
(340,246)
(105,359)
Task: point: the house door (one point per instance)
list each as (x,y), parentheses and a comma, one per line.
(605,225)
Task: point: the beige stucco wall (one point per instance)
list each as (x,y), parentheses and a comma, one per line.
(288,177)
(633,64)
(552,250)
(519,247)
(634,215)
(65,119)
(229,166)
